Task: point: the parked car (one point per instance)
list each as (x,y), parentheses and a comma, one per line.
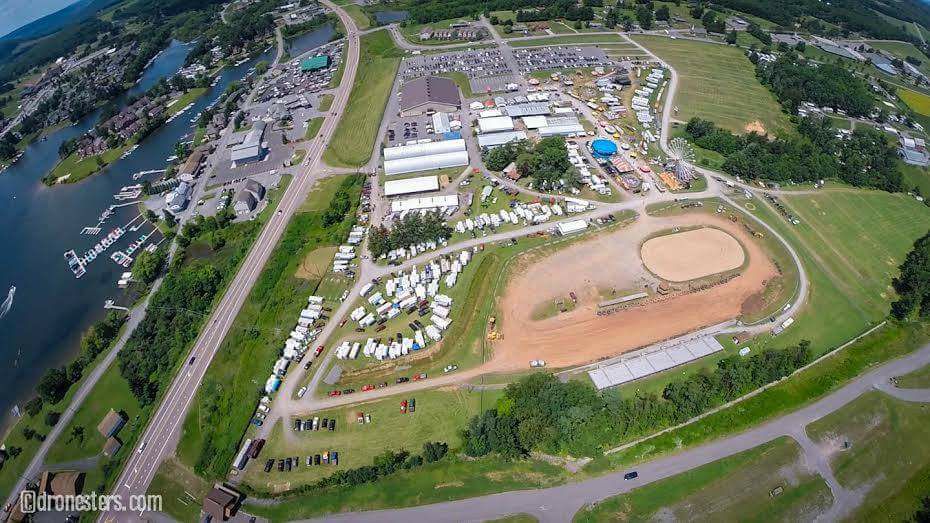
(403,407)
(318,351)
(450,368)
(537,363)
(402,379)
(631,475)
(333,393)
(420,376)
(368,387)
(301,392)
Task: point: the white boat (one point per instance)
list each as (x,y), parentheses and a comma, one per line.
(8,302)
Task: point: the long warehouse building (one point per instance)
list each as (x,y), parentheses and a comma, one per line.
(425,157)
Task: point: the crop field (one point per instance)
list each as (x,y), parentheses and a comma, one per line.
(439,416)
(354,138)
(709,77)
(919,102)
(737,488)
(888,457)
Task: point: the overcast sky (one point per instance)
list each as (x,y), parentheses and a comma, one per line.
(17,13)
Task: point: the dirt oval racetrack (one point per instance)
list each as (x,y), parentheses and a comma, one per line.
(612,259)
(693,254)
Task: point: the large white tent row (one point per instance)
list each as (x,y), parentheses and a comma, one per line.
(411,185)
(560,130)
(495,124)
(425,163)
(423,149)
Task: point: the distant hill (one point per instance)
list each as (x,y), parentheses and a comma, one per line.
(48,24)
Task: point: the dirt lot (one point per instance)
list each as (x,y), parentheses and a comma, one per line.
(693,254)
(591,269)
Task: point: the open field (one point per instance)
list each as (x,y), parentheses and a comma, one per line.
(451,478)
(185,99)
(595,270)
(693,254)
(72,169)
(439,416)
(733,489)
(919,379)
(918,102)
(354,138)
(709,75)
(888,451)
(572,39)
(182,492)
(220,413)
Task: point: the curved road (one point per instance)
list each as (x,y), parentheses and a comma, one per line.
(559,504)
(161,435)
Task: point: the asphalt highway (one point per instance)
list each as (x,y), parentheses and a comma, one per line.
(161,436)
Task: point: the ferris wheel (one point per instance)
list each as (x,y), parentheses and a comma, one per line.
(681,154)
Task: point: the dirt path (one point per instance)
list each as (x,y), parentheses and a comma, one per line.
(612,261)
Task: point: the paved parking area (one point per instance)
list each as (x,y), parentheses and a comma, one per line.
(277,154)
(492,83)
(475,64)
(531,59)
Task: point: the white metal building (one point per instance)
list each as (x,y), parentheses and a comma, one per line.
(527,109)
(425,163)
(411,185)
(534,122)
(495,124)
(560,130)
(427,202)
(495,139)
(573,226)
(423,149)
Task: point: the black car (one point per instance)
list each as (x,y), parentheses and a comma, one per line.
(412,405)
(325,422)
(268,465)
(334,458)
(332,425)
(631,475)
(402,380)
(280,465)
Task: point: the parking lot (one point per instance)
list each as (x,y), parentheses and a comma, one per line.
(477,63)
(402,130)
(287,79)
(531,59)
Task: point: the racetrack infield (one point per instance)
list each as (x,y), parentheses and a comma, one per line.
(611,261)
(693,254)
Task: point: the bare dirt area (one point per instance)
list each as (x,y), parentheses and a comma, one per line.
(594,270)
(693,254)
(755,127)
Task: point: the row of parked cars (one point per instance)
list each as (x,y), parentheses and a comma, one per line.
(329,457)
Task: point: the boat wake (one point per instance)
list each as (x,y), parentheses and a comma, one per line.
(8,302)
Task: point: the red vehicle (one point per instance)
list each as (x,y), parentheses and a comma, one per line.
(318,351)
(368,387)
(403,407)
(420,376)
(333,393)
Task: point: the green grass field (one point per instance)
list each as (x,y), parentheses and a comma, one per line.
(919,379)
(918,102)
(360,17)
(313,128)
(447,480)
(439,416)
(76,169)
(564,40)
(354,139)
(184,100)
(888,454)
(736,488)
(228,395)
(326,101)
(717,82)
(182,493)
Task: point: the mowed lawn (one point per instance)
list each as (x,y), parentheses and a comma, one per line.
(717,82)
(888,456)
(736,488)
(354,139)
(573,39)
(919,102)
(440,415)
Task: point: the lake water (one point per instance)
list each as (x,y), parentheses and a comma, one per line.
(300,44)
(38,224)
(389,17)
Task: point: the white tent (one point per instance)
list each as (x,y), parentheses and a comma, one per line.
(423,149)
(425,163)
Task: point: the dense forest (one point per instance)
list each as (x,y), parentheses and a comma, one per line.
(913,283)
(827,85)
(864,159)
(540,412)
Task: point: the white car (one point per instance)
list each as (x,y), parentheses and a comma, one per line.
(537,363)
(450,368)
(301,392)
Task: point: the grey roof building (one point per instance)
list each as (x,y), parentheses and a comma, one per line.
(245,202)
(429,92)
(257,189)
(251,147)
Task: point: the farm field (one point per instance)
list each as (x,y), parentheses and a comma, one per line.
(354,138)
(736,488)
(709,74)
(881,431)
(439,416)
(571,39)
(918,102)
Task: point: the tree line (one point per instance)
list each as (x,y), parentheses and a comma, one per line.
(864,159)
(540,412)
(913,282)
(546,161)
(827,85)
(412,229)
